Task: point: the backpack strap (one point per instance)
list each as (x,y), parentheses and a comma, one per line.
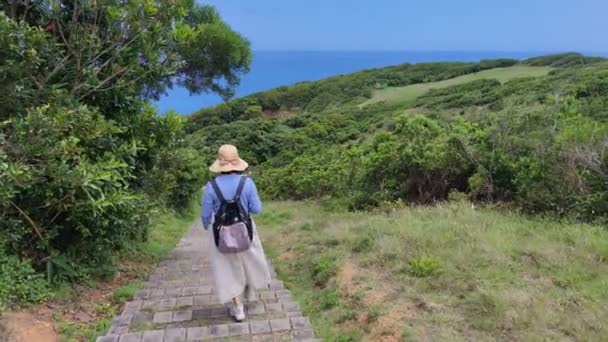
(239,189)
(237,197)
(217,190)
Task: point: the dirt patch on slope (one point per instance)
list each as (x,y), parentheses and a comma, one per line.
(376,292)
(26,327)
(346,277)
(283,113)
(387,327)
(289,255)
(86,305)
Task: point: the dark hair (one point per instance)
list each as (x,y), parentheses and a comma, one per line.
(232,173)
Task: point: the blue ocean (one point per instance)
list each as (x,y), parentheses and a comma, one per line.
(271,69)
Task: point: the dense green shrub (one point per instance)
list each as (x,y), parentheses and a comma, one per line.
(239,109)
(176,177)
(563,60)
(550,160)
(167,168)
(259,139)
(475,93)
(538,141)
(417,161)
(493,141)
(20,283)
(60,193)
(312,175)
(547,158)
(84,159)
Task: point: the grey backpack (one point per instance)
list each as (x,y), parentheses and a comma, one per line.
(232,227)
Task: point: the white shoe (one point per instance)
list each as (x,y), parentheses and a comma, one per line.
(238,312)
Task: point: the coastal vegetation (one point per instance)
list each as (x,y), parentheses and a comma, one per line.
(443,200)
(530,134)
(439,201)
(86,163)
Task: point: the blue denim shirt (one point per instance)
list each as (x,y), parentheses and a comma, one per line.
(228,184)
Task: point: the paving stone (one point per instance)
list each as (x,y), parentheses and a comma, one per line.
(259,327)
(162,317)
(255,308)
(302,335)
(301,323)
(198,314)
(262,338)
(220,330)
(142,317)
(157,293)
(274,307)
(167,304)
(197,334)
(175,335)
(113,338)
(153,336)
(185,281)
(238,329)
(134,305)
(283,294)
(291,306)
(142,294)
(266,295)
(276,284)
(156,276)
(204,290)
(189,291)
(132,337)
(280,324)
(117,330)
(184,301)
(151,303)
(173,292)
(184,315)
(202,300)
(218,312)
(282,336)
(122,320)
(295,314)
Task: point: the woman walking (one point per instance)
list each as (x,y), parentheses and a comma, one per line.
(235,250)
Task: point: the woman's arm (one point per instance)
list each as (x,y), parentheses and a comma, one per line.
(255,204)
(207,206)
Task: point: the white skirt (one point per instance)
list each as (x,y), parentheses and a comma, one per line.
(233,272)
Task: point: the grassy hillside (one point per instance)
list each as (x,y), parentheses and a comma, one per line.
(530,137)
(449,272)
(409,93)
(532,133)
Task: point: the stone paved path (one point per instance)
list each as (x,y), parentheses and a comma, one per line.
(178,305)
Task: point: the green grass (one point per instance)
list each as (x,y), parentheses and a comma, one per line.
(127,291)
(76,331)
(449,272)
(407,94)
(166,232)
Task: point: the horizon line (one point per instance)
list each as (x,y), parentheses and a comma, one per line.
(427,51)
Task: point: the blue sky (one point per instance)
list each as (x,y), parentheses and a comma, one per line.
(443,25)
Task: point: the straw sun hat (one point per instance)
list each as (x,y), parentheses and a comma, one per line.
(228,160)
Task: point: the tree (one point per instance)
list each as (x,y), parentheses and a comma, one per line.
(108,53)
(83,155)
